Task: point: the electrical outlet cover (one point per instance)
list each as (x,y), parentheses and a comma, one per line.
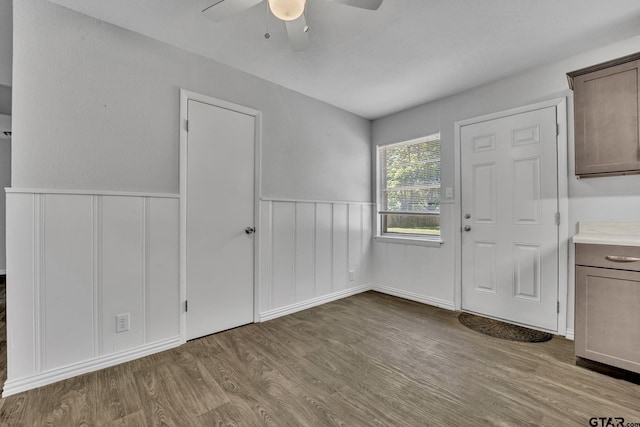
(122,322)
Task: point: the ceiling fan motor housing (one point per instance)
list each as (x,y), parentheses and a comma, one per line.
(287,10)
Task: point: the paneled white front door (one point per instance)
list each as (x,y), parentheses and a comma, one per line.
(509,204)
(219,208)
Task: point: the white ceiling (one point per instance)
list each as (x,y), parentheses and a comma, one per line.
(375,63)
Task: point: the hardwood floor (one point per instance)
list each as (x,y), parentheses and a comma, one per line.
(3,329)
(370,359)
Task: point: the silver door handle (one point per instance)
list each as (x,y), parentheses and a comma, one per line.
(616,258)
(467,228)
(250,230)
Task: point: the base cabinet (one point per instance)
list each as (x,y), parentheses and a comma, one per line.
(608,305)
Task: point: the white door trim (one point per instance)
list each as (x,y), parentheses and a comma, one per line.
(563,199)
(185,96)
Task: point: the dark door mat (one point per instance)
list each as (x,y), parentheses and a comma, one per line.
(498,329)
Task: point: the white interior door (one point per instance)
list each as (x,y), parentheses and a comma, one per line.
(509,204)
(219,207)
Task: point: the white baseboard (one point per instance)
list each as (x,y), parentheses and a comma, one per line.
(23,384)
(3,272)
(449,305)
(570,334)
(293,308)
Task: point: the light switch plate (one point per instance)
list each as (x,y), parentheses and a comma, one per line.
(448,192)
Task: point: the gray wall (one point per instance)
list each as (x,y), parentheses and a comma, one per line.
(602,199)
(6,43)
(5,181)
(96,107)
(5,100)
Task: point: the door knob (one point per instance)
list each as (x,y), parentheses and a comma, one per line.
(250,230)
(467,228)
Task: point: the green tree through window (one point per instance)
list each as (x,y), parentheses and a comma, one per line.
(410,187)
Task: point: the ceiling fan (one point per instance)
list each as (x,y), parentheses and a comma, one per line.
(289,11)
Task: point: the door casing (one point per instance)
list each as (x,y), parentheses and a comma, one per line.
(563,200)
(185,96)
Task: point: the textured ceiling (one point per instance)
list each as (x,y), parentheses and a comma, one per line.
(376,63)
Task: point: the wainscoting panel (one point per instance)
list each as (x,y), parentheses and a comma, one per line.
(76,260)
(67,320)
(283,254)
(22,325)
(307,252)
(265,259)
(340,246)
(161,278)
(366,272)
(355,245)
(324,252)
(122,266)
(304,256)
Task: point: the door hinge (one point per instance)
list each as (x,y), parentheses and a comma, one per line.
(558,307)
(557,129)
(186,305)
(557,218)
(186,125)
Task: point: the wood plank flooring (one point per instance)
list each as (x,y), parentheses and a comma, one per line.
(3,329)
(367,360)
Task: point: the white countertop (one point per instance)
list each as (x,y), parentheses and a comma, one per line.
(608,233)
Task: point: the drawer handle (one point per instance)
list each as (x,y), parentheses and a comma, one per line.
(616,258)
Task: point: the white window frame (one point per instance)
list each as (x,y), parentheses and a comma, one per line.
(412,239)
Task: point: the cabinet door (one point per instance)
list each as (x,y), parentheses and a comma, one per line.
(606,104)
(608,316)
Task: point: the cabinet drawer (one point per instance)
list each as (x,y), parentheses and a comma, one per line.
(608,256)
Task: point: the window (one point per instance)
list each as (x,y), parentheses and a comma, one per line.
(409,189)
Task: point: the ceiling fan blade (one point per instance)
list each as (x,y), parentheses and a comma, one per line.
(222,9)
(298,37)
(362,4)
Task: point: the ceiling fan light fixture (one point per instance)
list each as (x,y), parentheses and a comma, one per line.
(287,10)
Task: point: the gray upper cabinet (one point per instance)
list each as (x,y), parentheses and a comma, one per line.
(606,106)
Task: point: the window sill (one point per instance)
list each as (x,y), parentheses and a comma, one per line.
(404,240)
